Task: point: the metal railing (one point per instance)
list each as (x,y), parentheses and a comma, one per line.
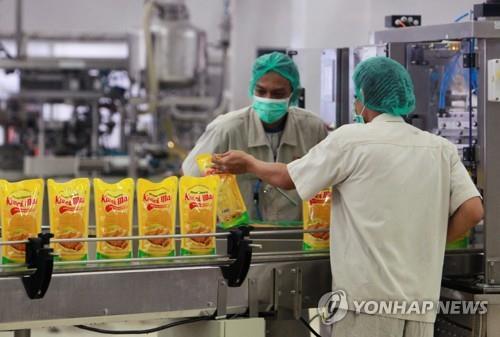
(182,258)
(168,236)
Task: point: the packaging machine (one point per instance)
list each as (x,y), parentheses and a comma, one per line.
(130,103)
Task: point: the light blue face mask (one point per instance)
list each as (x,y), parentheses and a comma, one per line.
(358,118)
(270,110)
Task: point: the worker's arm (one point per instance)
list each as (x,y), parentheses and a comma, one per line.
(239,162)
(468,215)
(324,166)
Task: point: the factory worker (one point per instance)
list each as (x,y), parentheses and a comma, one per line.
(272,129)
(399,195)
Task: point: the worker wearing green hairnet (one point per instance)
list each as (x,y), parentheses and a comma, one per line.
(400,194)
(272,129)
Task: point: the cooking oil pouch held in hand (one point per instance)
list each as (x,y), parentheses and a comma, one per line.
(316,213)
(113,210)
(231,209)
(69,217)
(157,205)
(198,207)
(21,204)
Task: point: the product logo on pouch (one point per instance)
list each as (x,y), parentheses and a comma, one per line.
(321,197)
(199,197)
(21,202)
(69,202)
(114,202)
(156,199)
(332,306)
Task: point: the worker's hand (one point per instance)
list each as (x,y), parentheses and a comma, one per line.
(235,162)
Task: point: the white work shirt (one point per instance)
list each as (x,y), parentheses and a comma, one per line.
(395,188)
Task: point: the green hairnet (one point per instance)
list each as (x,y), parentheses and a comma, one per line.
(384,85)
(280,64)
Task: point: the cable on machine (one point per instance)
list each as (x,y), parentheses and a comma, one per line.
(313,318)
(306,324)
(151,330)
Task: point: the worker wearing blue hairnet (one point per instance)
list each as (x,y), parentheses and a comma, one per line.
(399,195)
(272,129)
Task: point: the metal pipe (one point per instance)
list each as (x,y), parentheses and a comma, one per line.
(152,81)
(133,168)
(41,132)
(140,237)
(94,145)
(299,252)
(68,37)
(123,238)
(138,259)
(143,259)
(22,333)
(289,231)
(170,236)
(170,258)
(10,243)
(21,52)
(189,116)
(225,44)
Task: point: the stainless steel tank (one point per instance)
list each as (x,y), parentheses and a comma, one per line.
(178,48)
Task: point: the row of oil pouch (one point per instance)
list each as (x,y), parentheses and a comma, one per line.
(201,200)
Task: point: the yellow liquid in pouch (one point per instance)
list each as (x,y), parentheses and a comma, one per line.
(157,205)
(231,209)
(21,208)
(198,207)
(69,217)
(316,214)
(113,208)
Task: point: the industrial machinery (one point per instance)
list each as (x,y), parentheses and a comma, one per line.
(111,105)
(324,77)
(35,120)
(452,67)
(184,85)
(59,96)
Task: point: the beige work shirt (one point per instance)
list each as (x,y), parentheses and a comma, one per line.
(395,188)
(243,130)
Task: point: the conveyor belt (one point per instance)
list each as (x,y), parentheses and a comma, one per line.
(282,281)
